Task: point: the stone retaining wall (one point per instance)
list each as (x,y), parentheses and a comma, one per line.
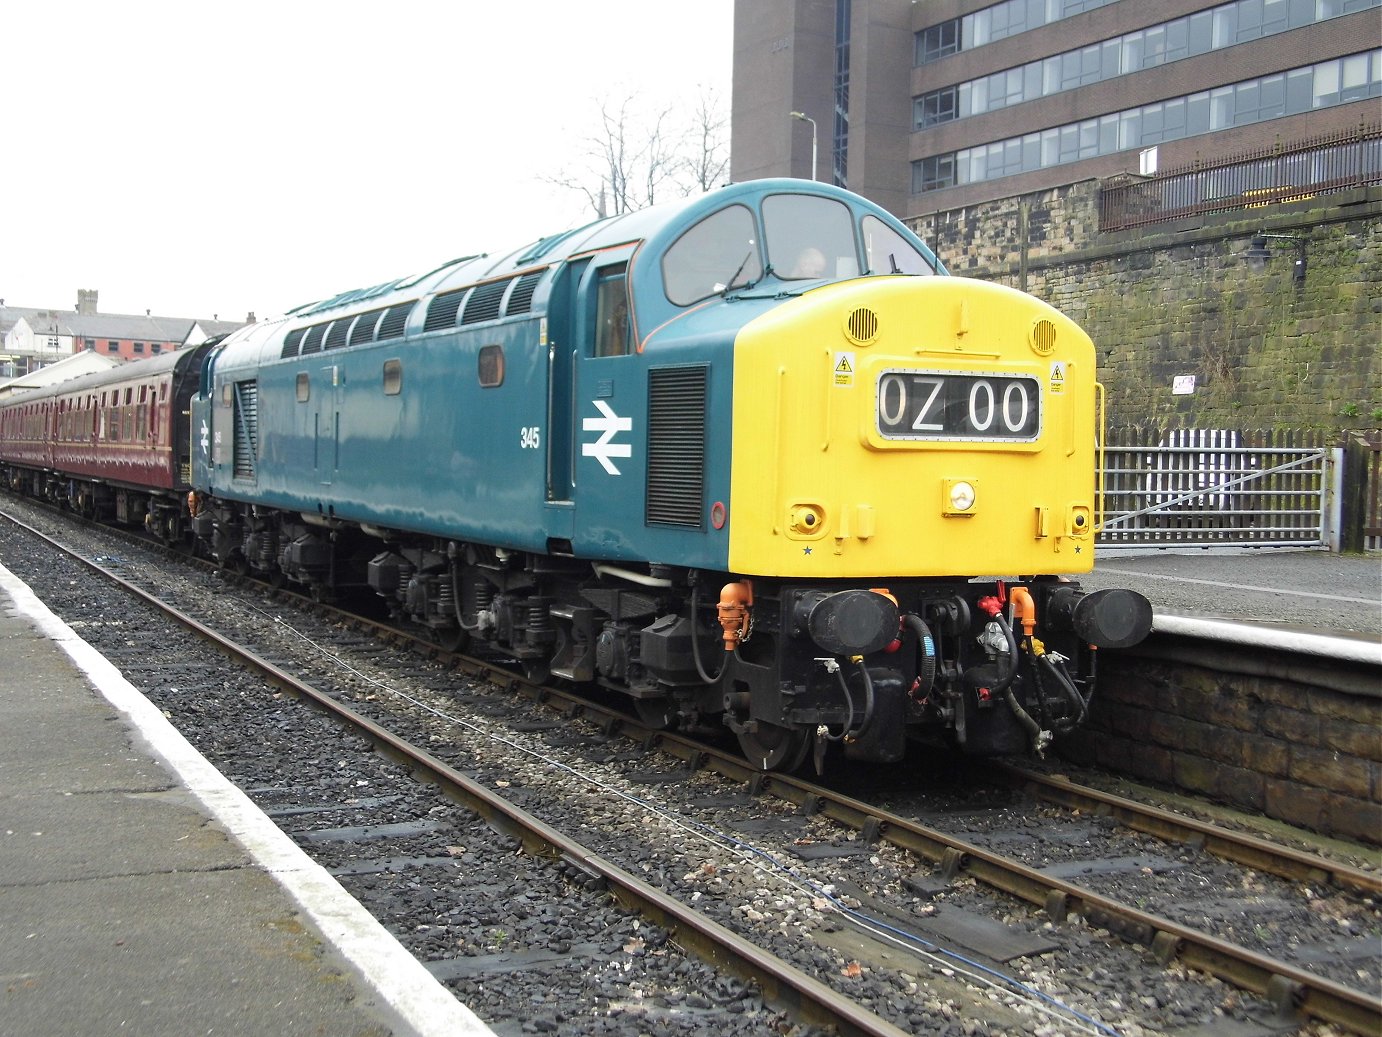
(1180,299)
(1304,751)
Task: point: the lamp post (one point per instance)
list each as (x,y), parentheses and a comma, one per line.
(1259,253)
(806,118)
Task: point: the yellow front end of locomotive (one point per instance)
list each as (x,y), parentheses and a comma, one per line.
(913,427)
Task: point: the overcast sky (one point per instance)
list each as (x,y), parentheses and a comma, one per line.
(197,160)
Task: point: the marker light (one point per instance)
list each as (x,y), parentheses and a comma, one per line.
(959,497)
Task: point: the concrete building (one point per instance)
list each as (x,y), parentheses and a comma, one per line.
(932,105)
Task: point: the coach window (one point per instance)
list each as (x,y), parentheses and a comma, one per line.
(717,254)
(612,313)
(304,387)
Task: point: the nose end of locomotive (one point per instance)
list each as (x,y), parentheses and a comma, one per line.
(852,622)
(1111,618)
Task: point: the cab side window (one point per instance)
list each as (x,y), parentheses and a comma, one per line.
(612,330)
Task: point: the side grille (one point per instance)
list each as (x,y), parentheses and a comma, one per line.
(676,446)
(483,303)
(246,416)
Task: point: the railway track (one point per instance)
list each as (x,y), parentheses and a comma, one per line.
(1286,986)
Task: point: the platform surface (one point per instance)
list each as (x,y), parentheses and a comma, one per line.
(139,896)
(1314,591)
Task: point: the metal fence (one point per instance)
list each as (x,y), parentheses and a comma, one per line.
(1284,173)
(1218,487)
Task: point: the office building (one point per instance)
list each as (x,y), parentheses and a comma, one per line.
(936,105)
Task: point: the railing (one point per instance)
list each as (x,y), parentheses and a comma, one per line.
(1284,173)
(1216,487)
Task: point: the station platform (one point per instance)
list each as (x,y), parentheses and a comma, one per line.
(1314,592)
(140,892)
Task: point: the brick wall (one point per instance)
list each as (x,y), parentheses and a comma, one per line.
(1180,299)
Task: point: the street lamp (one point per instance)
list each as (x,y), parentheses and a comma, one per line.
(1259,253)
(806,118)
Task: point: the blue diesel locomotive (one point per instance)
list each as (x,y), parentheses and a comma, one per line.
(740,458)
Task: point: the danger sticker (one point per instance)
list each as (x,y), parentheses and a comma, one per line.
(844,369)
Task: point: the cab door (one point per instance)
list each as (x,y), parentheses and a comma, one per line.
(561,338)
(589,331)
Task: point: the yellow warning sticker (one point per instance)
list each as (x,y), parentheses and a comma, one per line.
(844,369)
(1057,377)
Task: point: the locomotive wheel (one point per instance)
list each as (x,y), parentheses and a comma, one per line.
(453,639)
(773,748)
(658,713)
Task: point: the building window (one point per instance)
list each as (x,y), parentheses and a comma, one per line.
(936,107)
(995,23)
(1200,33)
(112,346)
(1300,90)
(139,347)
(840,148)
(938,41)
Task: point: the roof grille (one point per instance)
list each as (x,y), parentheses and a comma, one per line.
(521,298)
(292,344)
(483,303)
(363,331)
(441,311)
(336,336)
(676,446)
(395,320)
(312,343)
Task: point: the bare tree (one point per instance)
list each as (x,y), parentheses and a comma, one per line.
(706,156)
(638,158)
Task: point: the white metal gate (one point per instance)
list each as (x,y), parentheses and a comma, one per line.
(1217,487)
